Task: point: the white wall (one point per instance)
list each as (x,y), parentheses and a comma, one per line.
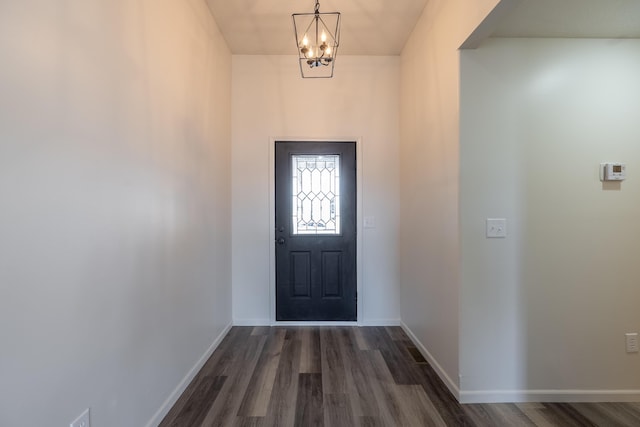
(115,218)
(270,99)
(429,246)
(547,307)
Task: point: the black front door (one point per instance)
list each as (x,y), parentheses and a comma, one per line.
(315,205)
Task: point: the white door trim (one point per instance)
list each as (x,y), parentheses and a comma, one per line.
(272,228)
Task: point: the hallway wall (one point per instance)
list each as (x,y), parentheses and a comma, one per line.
(115,217)
(544,311)
(271,100)
(429,180)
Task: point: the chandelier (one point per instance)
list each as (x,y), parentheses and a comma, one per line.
(317,38)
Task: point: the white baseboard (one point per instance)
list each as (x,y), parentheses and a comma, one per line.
(452,386)
(380,322)
(524,396)
(177,392)
(251,322)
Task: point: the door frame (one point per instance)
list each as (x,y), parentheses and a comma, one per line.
(272,230)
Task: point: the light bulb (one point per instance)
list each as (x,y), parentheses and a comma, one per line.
(328,51)
(305,41)
(323,37)
(310,52)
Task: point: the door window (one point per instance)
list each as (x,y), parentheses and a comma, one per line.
(316,194)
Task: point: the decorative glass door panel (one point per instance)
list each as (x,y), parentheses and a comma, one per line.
(315,194)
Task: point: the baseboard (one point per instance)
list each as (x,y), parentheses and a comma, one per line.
(177,392)
(380,322)
(452,386)
(524,396)
(251,322)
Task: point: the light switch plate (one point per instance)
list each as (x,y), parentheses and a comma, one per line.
(496,227)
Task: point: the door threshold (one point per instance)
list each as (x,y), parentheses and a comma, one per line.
(313,323)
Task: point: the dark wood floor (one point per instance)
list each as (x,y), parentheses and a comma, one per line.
(343,376)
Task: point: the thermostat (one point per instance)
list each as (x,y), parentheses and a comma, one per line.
(612,171)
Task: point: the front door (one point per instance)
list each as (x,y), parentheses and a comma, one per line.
(315,205)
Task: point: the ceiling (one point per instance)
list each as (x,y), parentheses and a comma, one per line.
(369,27)
(381,27)
(573,19)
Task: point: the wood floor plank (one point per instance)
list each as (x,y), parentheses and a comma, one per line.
(371,337)
(537,413)
(360,339)
(248,421)
(610,414)
(232,350)
(500,414)
(398,354)
(449,408)
(194,412)
(333,373)
(567,415)
(256,399)
(282,406)
(369,422)
(382,386)
(225,407)
(396,334)
(631,414)
(310,351)
(337,410)
(395,359)
(309,404)
(416,408)
(261,330)
(358,384)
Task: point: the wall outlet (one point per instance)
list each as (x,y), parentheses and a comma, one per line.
(632,342)
(83,420)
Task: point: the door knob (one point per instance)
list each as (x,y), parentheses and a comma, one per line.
(280,241)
